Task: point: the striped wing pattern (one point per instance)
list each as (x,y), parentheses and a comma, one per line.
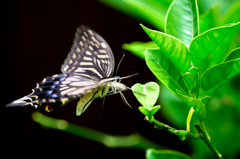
(90,56)
(86,70)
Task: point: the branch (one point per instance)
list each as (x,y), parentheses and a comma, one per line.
(207,140)
(182,134)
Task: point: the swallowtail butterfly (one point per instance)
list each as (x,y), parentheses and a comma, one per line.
(87,73)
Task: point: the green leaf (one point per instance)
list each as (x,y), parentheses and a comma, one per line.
(221,113)
(210,18)
(189,80)
(138,48)
(206,99)
(150,11)
(172,47)
(146,94)
(232,14)
(165,154)
(207,42)
(149,112)
(235,54)
(194,72)
(198,106)
(165,70)
(182,20)
(217,75)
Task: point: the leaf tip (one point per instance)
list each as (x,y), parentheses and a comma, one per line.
(143,27)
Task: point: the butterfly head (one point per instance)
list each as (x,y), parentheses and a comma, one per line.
(117,79)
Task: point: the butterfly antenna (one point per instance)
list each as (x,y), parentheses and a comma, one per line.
(120,63)
(135,74)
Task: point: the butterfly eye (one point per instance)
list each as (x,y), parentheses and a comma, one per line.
(118,79)
(48,108)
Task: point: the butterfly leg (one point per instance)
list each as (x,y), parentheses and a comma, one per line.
(102,106)
(124,99)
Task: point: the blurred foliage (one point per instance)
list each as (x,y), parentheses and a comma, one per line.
(224,108)
(165,154)
(143,10)
(131,141)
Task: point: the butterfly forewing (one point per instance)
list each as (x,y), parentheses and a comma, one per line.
(90,56)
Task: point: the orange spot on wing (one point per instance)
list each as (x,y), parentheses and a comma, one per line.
(48,108)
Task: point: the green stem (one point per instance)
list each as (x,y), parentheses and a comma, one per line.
(205,137)
(174,131)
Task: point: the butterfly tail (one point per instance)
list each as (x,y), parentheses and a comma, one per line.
(20,102)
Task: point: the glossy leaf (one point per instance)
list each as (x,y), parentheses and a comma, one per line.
(233,55)
(165,70)
(146,94)
(172,47)
(207,42)
(217,75)
(165,154)
(138,48)
(182,20)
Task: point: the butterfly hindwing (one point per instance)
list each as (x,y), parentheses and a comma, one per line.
(90,56)
(58,89)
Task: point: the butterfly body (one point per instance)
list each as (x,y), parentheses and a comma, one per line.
(87,72)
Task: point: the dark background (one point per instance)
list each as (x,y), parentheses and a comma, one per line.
(35,39)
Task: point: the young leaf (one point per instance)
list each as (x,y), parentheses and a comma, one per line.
(172,47)
(207,42)
(182,20)
(149,112)
(146,94)
(233,55)
(165,70)
(217,75)
(165,154)
(138,48)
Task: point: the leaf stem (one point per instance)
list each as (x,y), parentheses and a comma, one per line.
(174,131)
(205,137)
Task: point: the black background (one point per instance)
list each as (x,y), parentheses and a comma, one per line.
(35,39)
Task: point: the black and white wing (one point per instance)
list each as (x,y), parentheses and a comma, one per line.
(57,89)
(86,70)
(90,56)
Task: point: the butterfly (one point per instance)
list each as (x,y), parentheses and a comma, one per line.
(86,74)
